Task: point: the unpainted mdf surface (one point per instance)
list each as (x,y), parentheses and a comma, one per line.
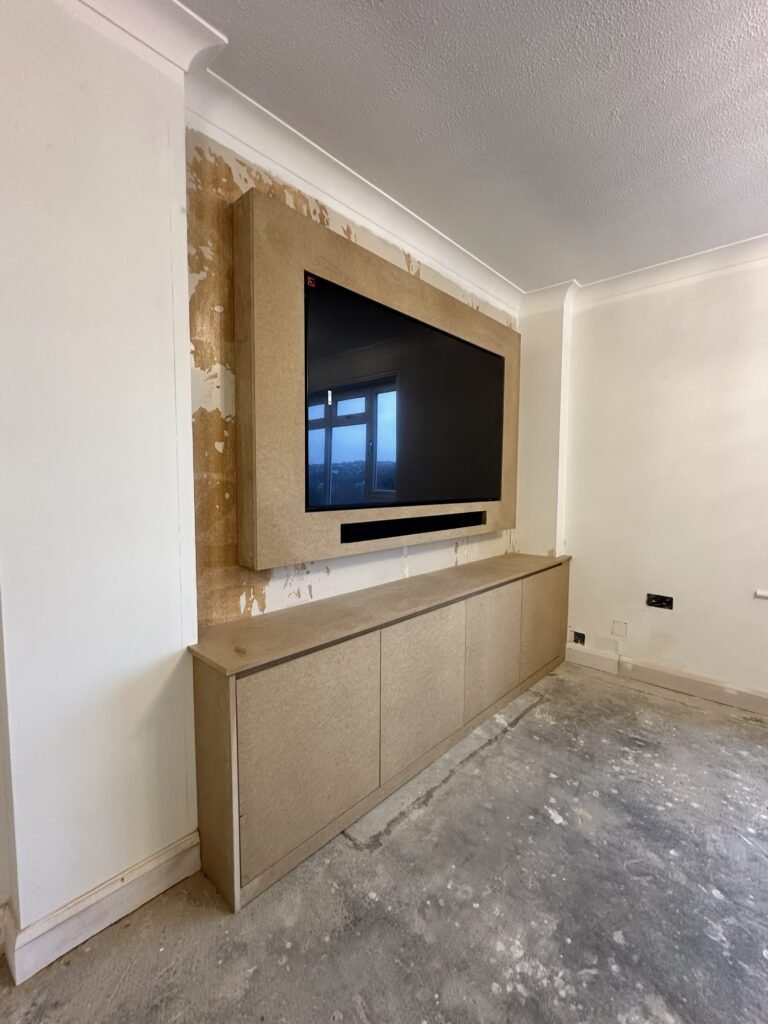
(273,247)
(235,648)
(244,440)
(308,747)
(544,619)
(217,784)
(422,685)
(493,647)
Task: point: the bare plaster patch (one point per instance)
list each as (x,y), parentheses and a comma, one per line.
(213,389)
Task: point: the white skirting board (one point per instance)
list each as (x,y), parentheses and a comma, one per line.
(668,679)
(30,949)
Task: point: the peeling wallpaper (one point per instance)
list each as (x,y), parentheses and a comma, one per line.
(226,591)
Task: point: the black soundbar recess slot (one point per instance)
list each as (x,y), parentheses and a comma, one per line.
(378,529)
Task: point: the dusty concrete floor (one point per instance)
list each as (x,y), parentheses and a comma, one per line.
(599,853)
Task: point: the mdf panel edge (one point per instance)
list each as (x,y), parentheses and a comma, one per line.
(217,780)
(243,242)
(544,619)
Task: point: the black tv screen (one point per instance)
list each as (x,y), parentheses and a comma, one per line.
(398,412)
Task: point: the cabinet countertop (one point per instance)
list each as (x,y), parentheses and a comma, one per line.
(247,645)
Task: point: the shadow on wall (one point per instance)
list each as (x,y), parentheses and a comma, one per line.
(7,843)
(6,823)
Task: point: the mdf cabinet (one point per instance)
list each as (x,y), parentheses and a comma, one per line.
(307,718)
(422,685)
(544,619)
(308,747)
(492,654)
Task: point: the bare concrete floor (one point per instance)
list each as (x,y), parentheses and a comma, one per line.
(598,853)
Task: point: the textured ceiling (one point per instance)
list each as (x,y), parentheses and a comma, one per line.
(554,140)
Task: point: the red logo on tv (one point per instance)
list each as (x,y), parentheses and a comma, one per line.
(310,281)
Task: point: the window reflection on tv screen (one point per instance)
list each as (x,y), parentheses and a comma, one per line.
(397,412)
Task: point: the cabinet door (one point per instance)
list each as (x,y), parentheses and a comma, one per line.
(493,647)
(545,619)
(308,747)
(422,685)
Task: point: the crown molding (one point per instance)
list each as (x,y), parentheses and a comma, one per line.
(663,275)
(219,110)
(547,300)
(188,42)
(223,113)
(572,295)
(167,27)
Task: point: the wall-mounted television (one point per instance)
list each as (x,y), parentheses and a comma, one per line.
(397,412)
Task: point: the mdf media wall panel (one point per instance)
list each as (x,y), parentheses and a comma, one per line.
(307,718)
(274,247)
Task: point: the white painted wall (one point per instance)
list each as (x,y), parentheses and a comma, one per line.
(292,585)
(668,466)
(545,332)
(539,456)
(6,824)
(96,560)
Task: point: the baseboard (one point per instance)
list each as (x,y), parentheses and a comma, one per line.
(695,686)
(30,949)
(589,657)
(668,679)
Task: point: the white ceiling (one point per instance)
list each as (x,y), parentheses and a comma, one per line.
(554,139)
